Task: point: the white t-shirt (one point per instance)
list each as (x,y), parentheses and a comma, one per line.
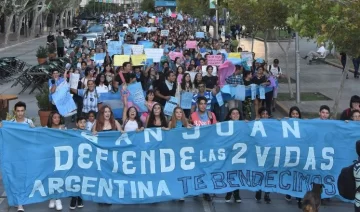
(321,50)
(103,88)
(89,125)
(275,71)
(131,126)
(26,121)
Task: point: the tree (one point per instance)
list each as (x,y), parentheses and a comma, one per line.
(339,23)
(37,11)
(148,5)
(10,8)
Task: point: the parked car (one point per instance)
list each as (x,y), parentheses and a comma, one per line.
(77,42)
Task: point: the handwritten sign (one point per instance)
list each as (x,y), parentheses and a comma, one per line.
(146,44)
(151,21)
(127,49)
(137,96)
(138,60)
(63,101)
(120,59)
(214,60)
(164,33)
(114,47)
(219,99)
(154,54)
(234,55)
(170,106)
(74,80)
(137,49)
(191,44)
(142,30)
(99,58)
(248,57)
(200,35)
(174,55)
(186,100)
(239,92)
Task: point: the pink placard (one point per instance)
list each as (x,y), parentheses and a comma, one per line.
(214,60)
(173,15)
(191,44)
(174,55)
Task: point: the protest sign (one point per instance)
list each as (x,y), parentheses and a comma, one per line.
(164,33)
(239,92)
(63,100)
(214,60)
(149,62)
(234,55)
(142,30)
(219,99)
(191,44)
(261,92)
(138,60)
(153,29)
(174,55)
(151,21)
(200,35)
(74,80)
(99,58)
(153,166)
(154,54)
(120,59)
(146,44)
(186,100)
(127,49)
(170,106)
(137,96)
(137,49)
(248,57)
(114,47)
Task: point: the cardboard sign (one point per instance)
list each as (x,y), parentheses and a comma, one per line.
(119,60)
(214,60)
(191,44)
(138,60)
(164,33)
(234,55)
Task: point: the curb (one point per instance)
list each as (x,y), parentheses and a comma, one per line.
(7,47)
(338,65)
(271,41)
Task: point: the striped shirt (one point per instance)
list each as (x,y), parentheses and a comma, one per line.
(90,100)
(357,183)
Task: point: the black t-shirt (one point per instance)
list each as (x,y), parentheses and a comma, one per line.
(247,83)
(260,80)
(164,90)
(117,78)
(210,82)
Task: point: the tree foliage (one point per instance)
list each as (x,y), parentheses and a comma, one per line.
(197,8)
(95,7)
(148,5)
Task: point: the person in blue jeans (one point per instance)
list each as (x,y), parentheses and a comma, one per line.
(356,63)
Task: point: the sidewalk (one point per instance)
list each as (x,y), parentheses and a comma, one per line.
(316,78)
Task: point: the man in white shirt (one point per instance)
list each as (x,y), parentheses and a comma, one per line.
(20,108)
(319,53)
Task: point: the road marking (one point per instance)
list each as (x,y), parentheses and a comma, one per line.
(3,197)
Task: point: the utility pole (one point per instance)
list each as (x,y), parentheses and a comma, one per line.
(297,68)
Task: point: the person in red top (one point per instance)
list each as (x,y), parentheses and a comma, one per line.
(202,117)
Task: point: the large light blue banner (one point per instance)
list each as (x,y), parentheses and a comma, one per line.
(283,156)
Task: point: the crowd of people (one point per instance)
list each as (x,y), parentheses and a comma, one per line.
(161,81)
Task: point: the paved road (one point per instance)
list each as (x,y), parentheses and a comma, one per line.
(27,52)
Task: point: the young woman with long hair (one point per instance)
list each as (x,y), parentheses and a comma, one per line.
(178,119)
(105,121)
(157,117)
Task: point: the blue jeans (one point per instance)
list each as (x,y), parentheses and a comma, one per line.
(356,62)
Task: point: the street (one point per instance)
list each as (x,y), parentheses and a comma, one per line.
(27,53)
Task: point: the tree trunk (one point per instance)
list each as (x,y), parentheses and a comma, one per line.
(35,19)
(71,17)
(286,63)
(265,45)
(252,42)
(53,27)
(19,26)
(8,23)
(66,18)
(342,83)
(61,23)
(44,22)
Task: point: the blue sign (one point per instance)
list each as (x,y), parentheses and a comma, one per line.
(113,100)
(63,100)
(114,47)
(186,100)
(137,96)
(200,35)
(127,49)
(146,44)
(155,165)
(165,3)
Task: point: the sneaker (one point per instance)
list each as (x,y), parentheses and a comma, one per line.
(80,203)
(207,197)
(20,208)
(58,205)
(237,198)
(267,198)
(73,202)
(258,196)
(288,198)
(52,203)
(228,197)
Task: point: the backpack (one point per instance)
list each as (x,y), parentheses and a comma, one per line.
(346,183)
(277,68)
